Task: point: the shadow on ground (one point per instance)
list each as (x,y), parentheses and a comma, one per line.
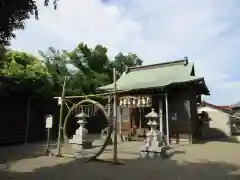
(25,151)
(213,134)
(139,169)
(223,139)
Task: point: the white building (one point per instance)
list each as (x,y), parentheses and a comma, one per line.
(221,122)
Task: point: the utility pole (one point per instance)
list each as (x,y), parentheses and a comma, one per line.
(61,118)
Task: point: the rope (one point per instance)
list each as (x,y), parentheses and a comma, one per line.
(98,95)
(65,99)
(86,96)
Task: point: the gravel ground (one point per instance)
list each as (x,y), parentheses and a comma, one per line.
(213,160)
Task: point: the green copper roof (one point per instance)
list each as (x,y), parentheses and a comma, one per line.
(156,75)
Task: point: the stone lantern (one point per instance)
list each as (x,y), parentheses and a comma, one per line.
(152,120)
(79,140)
(152,146)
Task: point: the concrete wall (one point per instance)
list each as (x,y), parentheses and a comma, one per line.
(219,125)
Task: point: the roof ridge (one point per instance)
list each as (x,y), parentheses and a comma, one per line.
(204,103)
(163,64)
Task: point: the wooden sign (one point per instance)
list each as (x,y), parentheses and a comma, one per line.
(59,100)
(49,122)
(135,101)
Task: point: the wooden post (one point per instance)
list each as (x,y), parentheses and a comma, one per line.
(189,122)
(115,119)
(160,115)
(28,119)
(120,121)
(61,118)
(109,106)
(167,124)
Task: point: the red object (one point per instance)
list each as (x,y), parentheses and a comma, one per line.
(218,107)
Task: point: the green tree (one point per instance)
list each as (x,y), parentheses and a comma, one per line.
(14,13)
(91,67)
(56,63)
(87,68)
(23,73)
(121,62)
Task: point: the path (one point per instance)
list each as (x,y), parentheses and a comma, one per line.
(214,160)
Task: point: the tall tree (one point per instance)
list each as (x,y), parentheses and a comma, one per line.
(14,13)
(121,62)
(23,73)
(87,67)
(91,67)
(56,63)
(12,17)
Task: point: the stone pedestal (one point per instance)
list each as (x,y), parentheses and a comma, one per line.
(79,140)
(152,146)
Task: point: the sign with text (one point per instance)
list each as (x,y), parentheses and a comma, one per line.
(49,122)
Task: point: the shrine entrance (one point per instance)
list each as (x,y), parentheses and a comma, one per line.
(133,110)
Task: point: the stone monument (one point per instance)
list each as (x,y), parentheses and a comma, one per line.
(79,140)
(152,146)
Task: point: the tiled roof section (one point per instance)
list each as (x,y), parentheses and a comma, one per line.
(226,109)
(157,75)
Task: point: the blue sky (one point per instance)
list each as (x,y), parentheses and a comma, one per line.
(205,31)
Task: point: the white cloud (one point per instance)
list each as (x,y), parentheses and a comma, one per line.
(205,31)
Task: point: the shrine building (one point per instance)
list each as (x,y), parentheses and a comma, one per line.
(171,88)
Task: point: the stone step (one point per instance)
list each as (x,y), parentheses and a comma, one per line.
(180,141)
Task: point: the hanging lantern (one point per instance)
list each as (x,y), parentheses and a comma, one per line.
(129,102)
(143,101)
(125,102)
(139,102)
(120,102)
(148,101)
(134,102)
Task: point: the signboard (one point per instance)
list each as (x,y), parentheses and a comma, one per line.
(59,100)
(49,122)
(174,116)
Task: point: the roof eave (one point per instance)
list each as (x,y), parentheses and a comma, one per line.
(204,103)
(204,88)
(205,91)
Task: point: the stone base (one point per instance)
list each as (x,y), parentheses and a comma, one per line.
(78,147)
(151,153)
